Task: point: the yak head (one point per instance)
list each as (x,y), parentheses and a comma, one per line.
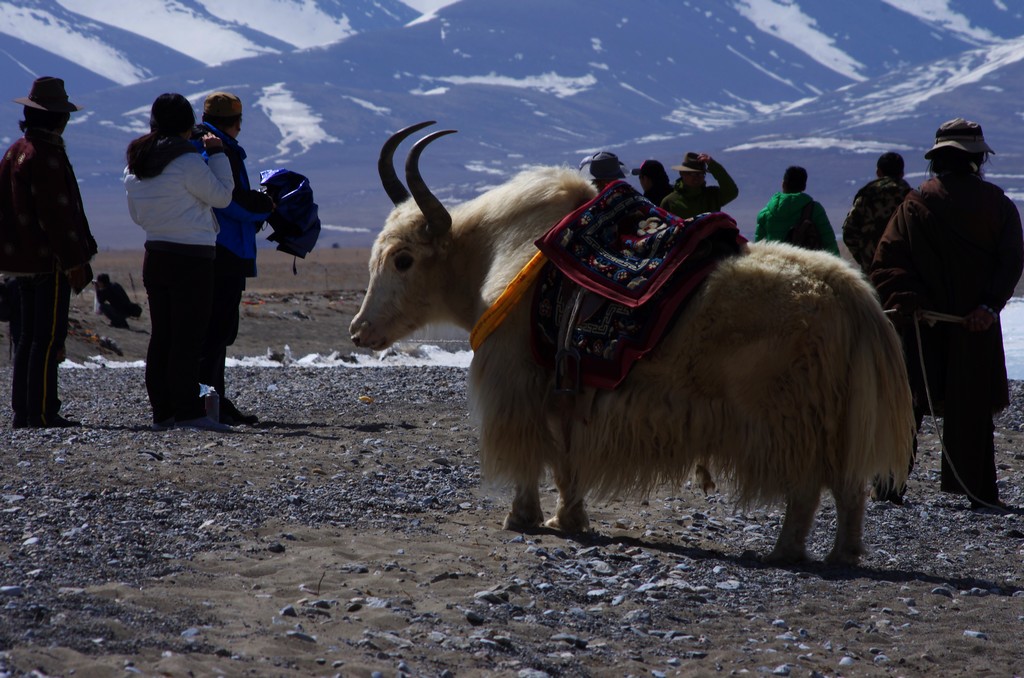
(408,262)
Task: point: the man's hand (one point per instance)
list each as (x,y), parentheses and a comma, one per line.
(212,142)
(980,319)
(79,277)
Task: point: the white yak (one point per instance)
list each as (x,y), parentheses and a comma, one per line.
(781,375)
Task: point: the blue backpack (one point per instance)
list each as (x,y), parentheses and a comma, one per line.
(295,221)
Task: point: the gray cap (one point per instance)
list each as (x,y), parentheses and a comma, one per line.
(603,165)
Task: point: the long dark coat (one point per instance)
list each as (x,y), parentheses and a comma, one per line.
(952,245)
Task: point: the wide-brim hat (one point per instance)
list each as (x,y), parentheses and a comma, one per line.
(48,94)
(691,163)
(603,165)
(960,134)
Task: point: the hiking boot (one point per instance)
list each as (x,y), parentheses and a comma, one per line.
(992,507)
(204,424)
(55,421)
(232,416)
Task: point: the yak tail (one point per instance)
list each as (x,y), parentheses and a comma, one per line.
(880,416)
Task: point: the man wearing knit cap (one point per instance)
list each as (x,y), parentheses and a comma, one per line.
(45,241)
(236,250)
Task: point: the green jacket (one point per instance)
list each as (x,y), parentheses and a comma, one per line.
(687,202)
(783,212)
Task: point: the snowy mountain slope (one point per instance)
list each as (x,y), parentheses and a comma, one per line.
(759,83)
(128,42)
(43,37)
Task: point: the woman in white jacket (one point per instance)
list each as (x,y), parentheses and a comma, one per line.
(171,193)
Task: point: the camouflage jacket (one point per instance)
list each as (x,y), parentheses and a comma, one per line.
(867,219)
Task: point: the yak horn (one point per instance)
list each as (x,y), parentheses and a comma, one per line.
(438,219)
(386,166)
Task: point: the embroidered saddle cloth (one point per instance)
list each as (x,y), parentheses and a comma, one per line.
(639,265)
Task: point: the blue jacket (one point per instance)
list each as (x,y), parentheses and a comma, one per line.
(240,220)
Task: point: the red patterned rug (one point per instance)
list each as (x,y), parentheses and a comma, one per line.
(641,261)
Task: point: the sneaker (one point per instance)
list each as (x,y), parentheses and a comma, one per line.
(56,421)
(231,415)
(164,425)
(203,424)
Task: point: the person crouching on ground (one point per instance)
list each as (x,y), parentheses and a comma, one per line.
(114,303)
(171,195)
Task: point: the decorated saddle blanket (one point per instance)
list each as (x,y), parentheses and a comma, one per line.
(638,264)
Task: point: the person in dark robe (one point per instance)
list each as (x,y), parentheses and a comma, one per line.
(955,247)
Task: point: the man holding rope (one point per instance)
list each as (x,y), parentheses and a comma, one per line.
(947,263)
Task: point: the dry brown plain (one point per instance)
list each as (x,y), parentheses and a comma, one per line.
(308,307)
(351,534)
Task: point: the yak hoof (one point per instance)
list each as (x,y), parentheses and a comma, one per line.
(520,523)
(573,526)
(785,557)
(703,476)
(846,558)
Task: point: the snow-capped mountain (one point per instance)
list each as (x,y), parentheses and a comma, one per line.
(759,84)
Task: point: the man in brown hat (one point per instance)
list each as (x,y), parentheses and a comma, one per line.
(236,250)
(691,195)
(46,243)
(955,246)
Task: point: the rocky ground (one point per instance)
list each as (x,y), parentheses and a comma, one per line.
(350,533)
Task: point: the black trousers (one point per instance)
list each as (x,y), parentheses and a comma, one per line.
(44,302)
(180,292)
(222,330)
(967,432)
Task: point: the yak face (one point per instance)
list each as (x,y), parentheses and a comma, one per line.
(405,265)
(406,274)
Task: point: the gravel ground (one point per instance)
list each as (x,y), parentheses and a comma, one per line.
(350,533)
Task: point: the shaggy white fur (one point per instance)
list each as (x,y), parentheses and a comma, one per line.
(782,376)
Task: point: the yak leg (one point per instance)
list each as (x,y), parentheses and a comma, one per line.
(526,513)
(791,546)
(848,546)
(570,515)
(703,477)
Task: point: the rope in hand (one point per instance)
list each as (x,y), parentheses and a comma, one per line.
(932,317)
